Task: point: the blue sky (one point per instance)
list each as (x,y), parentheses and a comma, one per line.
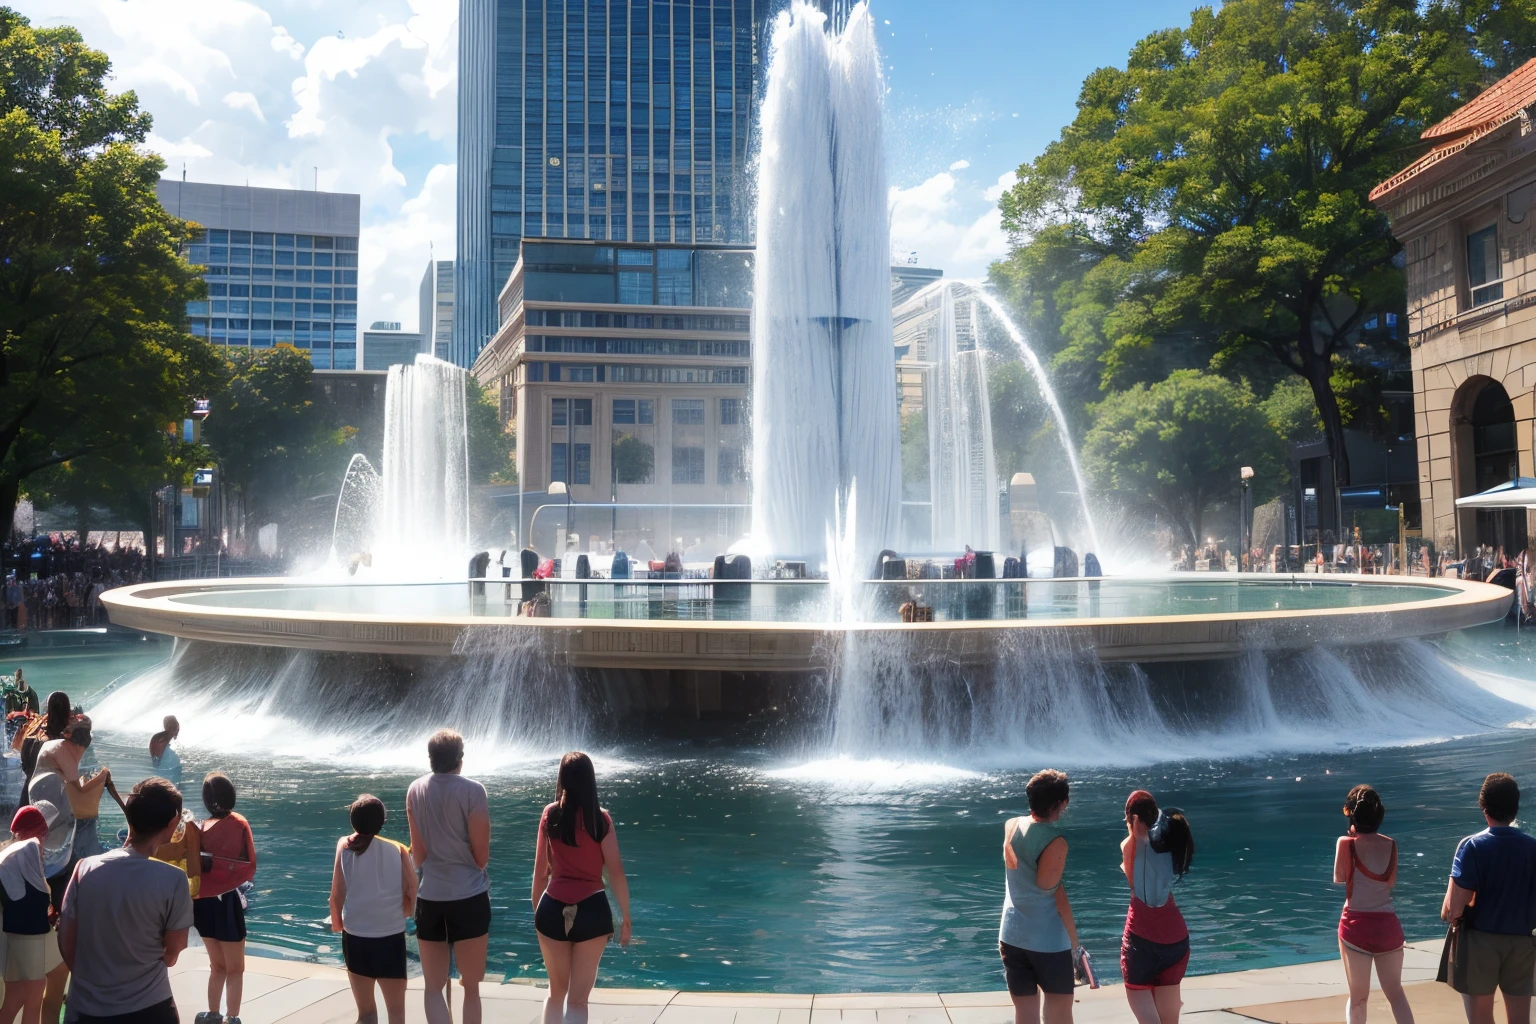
(266,91)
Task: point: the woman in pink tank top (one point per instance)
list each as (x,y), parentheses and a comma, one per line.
(575,844)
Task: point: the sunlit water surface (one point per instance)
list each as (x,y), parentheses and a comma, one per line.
(753,871)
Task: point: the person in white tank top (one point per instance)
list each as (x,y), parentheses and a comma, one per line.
(373,891)
(1370,934)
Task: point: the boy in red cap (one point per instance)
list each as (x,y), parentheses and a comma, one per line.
(31,949)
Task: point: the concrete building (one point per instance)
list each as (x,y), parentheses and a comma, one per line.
(434,319)
(281,267)
(618,121)
(624,368)
(385,348)
(1463,212)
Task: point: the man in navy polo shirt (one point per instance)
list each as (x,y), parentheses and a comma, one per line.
(1493,891)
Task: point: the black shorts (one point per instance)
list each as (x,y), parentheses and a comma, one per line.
(593,918)
(374,958)
(453,920)
(221,918)
(1027,971)
(160,1013)
(1148,964)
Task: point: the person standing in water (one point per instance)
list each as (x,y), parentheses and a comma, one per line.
(162,756)
(1154,951)
(373,891)
(575,843)
(22,697)
(1365,863)
(1037,937)
(228,855)
(451,844)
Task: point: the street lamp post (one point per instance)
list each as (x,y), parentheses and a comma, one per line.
(1243,530)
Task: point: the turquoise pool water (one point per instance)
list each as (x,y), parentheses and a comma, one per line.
(760,868)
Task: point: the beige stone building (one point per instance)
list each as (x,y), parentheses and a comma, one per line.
(1463,215)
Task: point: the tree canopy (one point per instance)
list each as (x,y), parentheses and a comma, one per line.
(1177,445)
(1207,207)
(95,357)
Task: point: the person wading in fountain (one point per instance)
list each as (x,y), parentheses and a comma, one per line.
(1038,937)
(575,844)
(373,890)
(162,756)
(1154,951)
(1365,863)
(451,844)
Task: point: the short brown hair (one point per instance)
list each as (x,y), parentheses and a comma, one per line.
(1500,797)
(1045,790)
(445,750)
(152,805)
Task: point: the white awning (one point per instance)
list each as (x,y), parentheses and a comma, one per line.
(1517,493)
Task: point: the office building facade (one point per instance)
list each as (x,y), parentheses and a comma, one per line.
(597,119)
(385,348)
(281,267)
(434,319)
(625,370)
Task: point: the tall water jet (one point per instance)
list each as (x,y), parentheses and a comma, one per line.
(422,524)
(962,466)
(824,414)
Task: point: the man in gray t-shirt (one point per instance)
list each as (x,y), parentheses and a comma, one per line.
(451,844)
(125,920)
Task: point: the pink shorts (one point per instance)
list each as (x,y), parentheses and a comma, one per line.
(1371,932)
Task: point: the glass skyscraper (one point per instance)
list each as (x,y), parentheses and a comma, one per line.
(626,120)
(281,267)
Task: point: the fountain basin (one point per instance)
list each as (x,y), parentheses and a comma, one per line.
(782,626)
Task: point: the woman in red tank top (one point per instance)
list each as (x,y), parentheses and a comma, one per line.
(575,844)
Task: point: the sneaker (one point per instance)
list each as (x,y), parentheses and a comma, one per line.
(208,1017)
(231,1020)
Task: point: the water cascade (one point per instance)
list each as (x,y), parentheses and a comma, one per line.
(421,525)
(823,415)
(962,469)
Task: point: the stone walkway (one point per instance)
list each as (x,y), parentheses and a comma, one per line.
(286,992)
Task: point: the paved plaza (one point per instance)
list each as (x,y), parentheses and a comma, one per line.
(287,992)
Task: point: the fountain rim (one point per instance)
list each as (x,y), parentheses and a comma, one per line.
(737,645)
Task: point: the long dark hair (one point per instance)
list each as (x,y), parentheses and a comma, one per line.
(576,802)
(218,794)
(59,714)
(367,819)
(1168,830)
(1364,810)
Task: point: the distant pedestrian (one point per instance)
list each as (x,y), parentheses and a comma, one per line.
(1154,951)
(1365,863)
(32,950)
(450,824)
(1492,892)
(162,756)
(576,842)
(1037,937)
(373,891)
(126,918)
(228,855)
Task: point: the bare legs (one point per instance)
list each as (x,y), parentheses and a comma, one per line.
(572,969)
(469,955)
(367,1009)
(1160,1005)
(1389,970)
(1058,1009)
(25,997)
(226,975)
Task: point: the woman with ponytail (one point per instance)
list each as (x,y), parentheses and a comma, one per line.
(373,892)
(1154,951)
(1365,863)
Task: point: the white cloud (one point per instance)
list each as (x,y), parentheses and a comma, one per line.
(950,223)
(245,101)
(266,92)
(959,165)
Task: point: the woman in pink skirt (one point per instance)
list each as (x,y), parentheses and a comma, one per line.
(1365,863)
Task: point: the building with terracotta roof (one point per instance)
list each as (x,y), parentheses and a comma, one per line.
(1462,212)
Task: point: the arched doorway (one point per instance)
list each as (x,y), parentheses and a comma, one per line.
(1487,453)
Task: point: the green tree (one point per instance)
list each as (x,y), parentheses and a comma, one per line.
(490,447)
(915,478)
(274,445)
(95,358)
(1177,445)
(1208,204)
(633,460)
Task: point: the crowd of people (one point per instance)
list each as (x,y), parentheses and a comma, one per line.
(57,582)
(94,932)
